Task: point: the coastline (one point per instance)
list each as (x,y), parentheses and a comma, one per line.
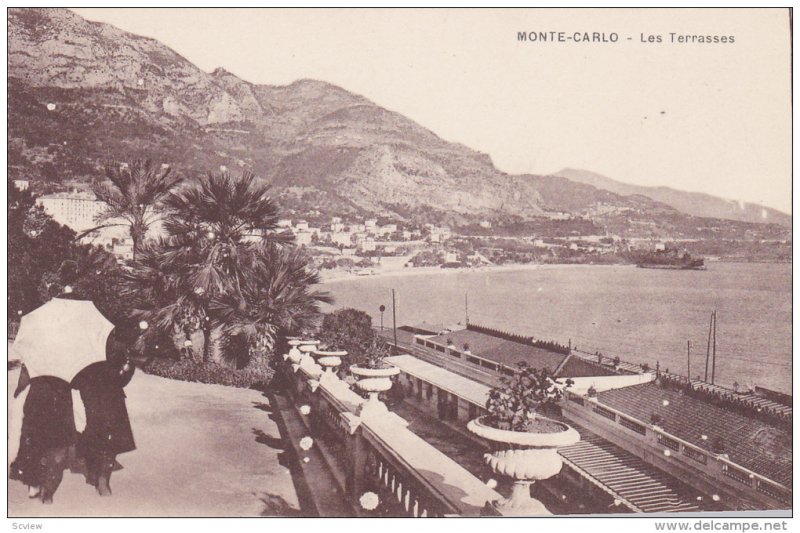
(335,277)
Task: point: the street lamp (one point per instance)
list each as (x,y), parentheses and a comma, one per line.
(382,308)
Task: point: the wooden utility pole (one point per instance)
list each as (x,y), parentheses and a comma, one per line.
(714,349)
(708,346)
(688,361)
(394,320)
(466,307)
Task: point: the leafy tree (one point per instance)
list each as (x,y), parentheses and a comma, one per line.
(37,244)
(132,193)
(351,330)
(44,257)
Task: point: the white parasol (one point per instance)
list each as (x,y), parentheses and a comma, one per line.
(61,338)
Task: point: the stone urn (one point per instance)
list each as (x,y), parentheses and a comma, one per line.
(301,356)
(329,361)
(374,381)
(294,353)
(525,457)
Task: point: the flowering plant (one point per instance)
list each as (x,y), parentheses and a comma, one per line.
(514,404)
(306,443)
(374,356)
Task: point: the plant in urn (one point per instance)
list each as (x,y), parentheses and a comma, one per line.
(374,377)
(526,442)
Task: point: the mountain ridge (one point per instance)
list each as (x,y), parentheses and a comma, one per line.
(117,95)
(692,203)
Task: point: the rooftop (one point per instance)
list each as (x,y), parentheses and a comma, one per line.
(468,389)
(751,443)
(502,351)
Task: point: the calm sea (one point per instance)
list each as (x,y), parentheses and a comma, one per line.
(639,314)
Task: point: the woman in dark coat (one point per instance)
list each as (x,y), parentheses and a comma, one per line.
(108,429)
(48,430)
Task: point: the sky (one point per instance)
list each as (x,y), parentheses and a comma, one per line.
(707,117)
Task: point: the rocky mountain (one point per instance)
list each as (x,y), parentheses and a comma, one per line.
(693,203)
(81,93)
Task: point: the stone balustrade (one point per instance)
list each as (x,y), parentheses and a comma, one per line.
(375,452)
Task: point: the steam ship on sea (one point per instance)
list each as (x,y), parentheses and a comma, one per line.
(670,259)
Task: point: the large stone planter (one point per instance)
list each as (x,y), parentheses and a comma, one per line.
(526,458)
(330,361)
(374,381)
(294,352)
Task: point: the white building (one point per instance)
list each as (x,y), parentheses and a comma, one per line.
(22,185)
(387,229)
(341,237)
(76,210)
(367,245)
(301,225)
(303,238)
(284,223)
(123,249)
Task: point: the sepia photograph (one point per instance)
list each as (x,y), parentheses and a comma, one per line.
(400,263)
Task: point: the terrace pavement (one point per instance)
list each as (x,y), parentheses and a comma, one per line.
(202,450)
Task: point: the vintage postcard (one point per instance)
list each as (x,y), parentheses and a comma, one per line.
(387,262)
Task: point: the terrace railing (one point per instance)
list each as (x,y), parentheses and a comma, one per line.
(375,452)
(732,475)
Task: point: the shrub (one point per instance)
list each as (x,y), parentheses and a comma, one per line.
(349,330)
(257,375)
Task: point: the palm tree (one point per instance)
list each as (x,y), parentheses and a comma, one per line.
(275,299)
(133,195)
(223,266)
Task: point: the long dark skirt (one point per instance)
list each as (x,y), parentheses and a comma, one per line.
(48,428)
(108,429)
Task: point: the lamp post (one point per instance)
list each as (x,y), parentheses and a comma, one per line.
(382,308)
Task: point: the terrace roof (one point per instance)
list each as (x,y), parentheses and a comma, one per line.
(751,443)
(501,350)
(470,390)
